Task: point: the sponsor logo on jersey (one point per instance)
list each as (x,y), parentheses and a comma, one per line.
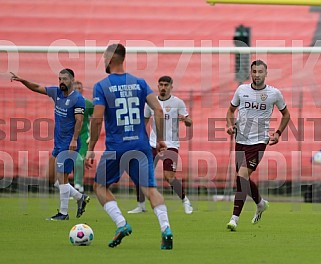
(67,102)
(255,105)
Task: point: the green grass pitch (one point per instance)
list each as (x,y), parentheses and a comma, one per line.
(288,233)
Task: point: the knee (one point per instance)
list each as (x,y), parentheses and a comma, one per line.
(169,176)
(156,198)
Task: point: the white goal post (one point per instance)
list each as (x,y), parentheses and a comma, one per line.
(163,50)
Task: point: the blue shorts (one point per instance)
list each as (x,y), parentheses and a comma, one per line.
(138,164)
(65,159)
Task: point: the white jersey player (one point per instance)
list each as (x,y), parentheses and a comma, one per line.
(255,103)
(173,108)
(174,112)
(255,108)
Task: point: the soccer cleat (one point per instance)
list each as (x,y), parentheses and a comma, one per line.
(232,225)
(120,233)
(137,210)
(259,212)
(59,217)
(167,239)
(187,206)
(82,202)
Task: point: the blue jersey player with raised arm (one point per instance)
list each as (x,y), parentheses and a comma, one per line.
(119,100)
(69,111)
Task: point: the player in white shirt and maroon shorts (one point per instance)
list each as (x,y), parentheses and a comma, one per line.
(174,111)
(255,103)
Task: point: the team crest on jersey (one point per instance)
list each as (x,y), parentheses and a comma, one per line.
(168,108)
(264,96)
(67,102)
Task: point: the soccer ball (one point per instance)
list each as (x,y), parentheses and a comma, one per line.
(317,157)
(81,235)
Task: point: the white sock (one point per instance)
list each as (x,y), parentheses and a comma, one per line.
(261,203)
(185,199)
(235,218)
(56,184)
(162,216)
(64,198)
(142,205)
(114,212)
(74,193)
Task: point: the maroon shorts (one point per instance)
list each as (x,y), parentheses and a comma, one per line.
(169,158)
(248,156)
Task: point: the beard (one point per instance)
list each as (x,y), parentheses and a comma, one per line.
(63,87)
(258,82)
(162,93)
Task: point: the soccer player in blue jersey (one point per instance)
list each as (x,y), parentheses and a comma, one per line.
(69,111)
(174,112)
(119,100)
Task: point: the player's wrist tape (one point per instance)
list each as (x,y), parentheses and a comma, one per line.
(278,132)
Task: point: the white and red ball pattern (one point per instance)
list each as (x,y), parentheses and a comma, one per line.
(81,235)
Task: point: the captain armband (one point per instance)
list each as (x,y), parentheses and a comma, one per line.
(79,110)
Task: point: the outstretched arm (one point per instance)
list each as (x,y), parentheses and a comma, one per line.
(30,85)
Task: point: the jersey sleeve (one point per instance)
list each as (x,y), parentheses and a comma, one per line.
(236,98)
(280,103)
(52,92)
(80,106)
(98,95)
(147,111)
(182,108)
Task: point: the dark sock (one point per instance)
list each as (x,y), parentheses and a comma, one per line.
(140,195)
(178,188)
(242,189)
(254,192)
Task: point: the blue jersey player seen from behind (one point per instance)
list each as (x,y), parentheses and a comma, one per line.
(119,100)
(69,110)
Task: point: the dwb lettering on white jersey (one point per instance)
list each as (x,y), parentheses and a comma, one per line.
(255,108)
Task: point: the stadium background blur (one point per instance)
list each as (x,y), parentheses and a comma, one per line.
(205,81)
